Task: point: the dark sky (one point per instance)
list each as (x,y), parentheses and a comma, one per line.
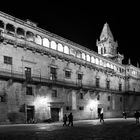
(82,22)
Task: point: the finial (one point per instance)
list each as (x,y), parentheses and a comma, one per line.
(129,61)
(137,65)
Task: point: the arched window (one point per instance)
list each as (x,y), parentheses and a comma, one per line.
(108,65)
(1,24)
(78,54)
(101,62)
(104,64)
(10,29)
(29,36)
(88,58)
(20,33)
(111,66)
(115,68)
(97,61)
(92,59)
(38,39)
(60,47)
(83,56)
(53,45)
(72,51)
(66,49)
(45,42)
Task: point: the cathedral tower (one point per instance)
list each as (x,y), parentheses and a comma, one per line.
(107,46)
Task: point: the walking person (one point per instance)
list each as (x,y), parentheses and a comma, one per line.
(124,115)
(70,117)
(137,115)
(101,116)
(65,120)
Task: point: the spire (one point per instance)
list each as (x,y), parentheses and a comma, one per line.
(106,32)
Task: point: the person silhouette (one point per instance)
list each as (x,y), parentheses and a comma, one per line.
(70,117)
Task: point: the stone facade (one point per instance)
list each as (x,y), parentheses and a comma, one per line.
(44,76)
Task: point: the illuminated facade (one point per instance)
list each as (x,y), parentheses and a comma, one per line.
(43,76)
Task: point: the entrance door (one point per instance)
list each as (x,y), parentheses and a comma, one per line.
(55,114)
(99,111)
(30,114)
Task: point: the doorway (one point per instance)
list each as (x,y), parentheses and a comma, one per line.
(30,114)
(55,114)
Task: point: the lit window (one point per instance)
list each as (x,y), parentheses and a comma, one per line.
(78,54)
(88,58)
(72,52)
(83,56)
(112,66)
(66,49)
(101,62)
(115,68)
(60,47)
(45,42)
(97,61)
(92,59)
(38,40)
(108,65)
(104,64)
(53,45)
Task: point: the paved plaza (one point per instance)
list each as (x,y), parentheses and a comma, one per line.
(111,129)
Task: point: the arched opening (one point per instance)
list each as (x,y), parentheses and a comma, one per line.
(10,29)
(60,47)
(29,36)
(20,33)
(1,24)
(38,39)
(66,49)
(46,42)
(53,45)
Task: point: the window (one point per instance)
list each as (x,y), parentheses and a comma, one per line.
(46,42)
(53,45)
(101,50)
(10,29)
(107,84)
(80,76)
(67,74)
(81,108)
(120,87)
(53,73)
(98,97)
(72,52)
(97,82)
(54,93)
(68,108)
(60,47)
(88,58)
(8,60)
(28,74)
(97,61)
(29,90)
(108,98)
(20,33)
(29,36)
(2,98)
(81,96)
(120,99)
(66,49)
(92,59)
(78,54)
(38,40)
(83,56)
(108,108)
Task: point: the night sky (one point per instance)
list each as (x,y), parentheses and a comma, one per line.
(82,22)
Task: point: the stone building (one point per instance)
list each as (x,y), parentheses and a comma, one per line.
(43,76)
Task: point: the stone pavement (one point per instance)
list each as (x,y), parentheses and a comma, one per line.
(112,129)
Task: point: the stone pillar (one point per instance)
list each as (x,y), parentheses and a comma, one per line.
(74,102)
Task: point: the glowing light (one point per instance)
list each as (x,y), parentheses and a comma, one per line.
(41,101)
(93,104)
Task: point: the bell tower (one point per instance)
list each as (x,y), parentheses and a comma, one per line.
(107,46)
